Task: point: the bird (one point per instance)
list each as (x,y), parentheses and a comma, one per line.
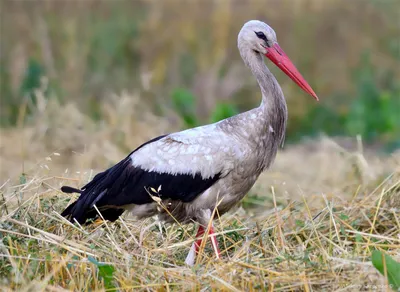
(192,175)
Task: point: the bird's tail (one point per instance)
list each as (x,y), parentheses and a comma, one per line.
(95,193)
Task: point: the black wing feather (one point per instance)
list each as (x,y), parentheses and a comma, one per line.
(125,184)
(70,190)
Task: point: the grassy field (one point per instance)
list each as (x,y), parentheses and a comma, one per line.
(309,224)
(82,83)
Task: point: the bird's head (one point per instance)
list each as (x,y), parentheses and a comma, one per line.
(261,38)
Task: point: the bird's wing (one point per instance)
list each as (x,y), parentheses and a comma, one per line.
(178,166)
(206,151)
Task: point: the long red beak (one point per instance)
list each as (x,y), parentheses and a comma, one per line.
(280,59)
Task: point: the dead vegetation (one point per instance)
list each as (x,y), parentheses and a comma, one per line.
(310,223)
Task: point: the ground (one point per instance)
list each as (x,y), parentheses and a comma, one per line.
(310,223)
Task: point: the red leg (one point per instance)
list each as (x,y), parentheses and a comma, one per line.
(194,250)
(214,242)
(200,233)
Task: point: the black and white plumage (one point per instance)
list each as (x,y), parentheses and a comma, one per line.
(194,170)
(112,189)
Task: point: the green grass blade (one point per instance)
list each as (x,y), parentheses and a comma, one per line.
(379,260)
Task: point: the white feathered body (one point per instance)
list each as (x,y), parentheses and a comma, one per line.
(239,148)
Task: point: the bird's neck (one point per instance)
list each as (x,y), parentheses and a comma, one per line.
(273,105)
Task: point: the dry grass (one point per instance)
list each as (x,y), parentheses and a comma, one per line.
(310,223)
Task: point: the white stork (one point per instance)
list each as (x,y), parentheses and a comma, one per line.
(192,172)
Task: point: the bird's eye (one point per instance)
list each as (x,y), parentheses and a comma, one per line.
(261,35)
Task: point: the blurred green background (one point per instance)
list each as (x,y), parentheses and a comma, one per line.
(181,57)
